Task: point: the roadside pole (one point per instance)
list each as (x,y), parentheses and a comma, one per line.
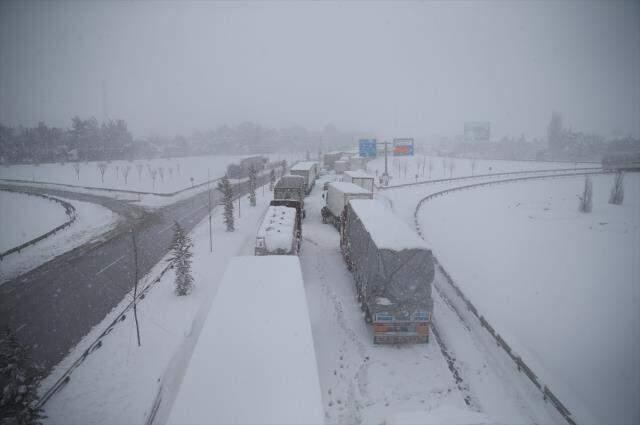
(209,193)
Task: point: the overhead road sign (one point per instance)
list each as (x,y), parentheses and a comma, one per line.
(367,148)
(403,147)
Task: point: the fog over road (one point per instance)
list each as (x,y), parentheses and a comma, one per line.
(53,306)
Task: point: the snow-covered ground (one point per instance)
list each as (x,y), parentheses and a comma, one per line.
(118,383)
(404,169)
(24,217)
(560,286)
(172,174)
(92,221)
(360,382)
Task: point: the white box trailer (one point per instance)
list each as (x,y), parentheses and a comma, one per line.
(341,166)
(336,198)
(280,232)
(254,361)
(308,170)
(357,163)
(359,178)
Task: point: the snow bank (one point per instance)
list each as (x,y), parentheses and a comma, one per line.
(25,217)
(561,287)
(254,362)
(385,228)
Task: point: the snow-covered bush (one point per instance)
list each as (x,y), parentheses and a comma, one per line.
(181,260)
(224,186)
(19,383)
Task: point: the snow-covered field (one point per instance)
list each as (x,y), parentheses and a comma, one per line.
(24,217)
(92,221)
(560,286)
(404,169)
(172,174)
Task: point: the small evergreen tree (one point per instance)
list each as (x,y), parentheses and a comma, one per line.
(19,383)
(272,179)
(181,260)
(617,191)
(586,200)
(224,186)
(252,186)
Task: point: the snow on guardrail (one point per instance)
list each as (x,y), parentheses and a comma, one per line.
(70,210)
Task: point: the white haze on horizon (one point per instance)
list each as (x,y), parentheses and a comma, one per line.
(407,69)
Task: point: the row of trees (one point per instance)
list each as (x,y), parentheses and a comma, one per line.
(86,139)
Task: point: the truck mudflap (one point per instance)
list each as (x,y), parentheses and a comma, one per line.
(401,333)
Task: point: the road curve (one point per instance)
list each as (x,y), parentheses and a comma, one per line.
(53,306)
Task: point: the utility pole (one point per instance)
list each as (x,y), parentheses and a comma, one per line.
(135,283)
(385,176)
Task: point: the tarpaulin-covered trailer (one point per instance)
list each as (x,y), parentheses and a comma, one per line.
(393,270)
(290,188)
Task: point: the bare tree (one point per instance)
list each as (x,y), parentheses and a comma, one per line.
(125,172)
(154,175)
(76,168)
(117,171)
(170,172)
(139,168)
(617,191)
(452,166)
(102,167)
(161,172)
(586,200)
(474,164)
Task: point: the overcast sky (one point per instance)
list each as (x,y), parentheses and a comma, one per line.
(403,69)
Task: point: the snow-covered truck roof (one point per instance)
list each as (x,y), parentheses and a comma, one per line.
(346,187)
(358,174)
(303,166)
(385,228)
(254,362)
(277,228)
(290,181)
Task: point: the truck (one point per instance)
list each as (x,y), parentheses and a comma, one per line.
(341,166)
(290,188)
(393,271)
(241,170)
(308,170)
(337,196)
(252,359)
(280,232)
(359,178)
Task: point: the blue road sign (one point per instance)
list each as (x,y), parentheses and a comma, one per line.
(367,148)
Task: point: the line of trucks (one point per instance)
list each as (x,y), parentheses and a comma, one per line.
(393,268)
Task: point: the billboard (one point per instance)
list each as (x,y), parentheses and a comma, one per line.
(477,131)
(367,148)
(403,147)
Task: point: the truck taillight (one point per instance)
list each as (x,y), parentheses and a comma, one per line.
(380,327)
(422,329)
